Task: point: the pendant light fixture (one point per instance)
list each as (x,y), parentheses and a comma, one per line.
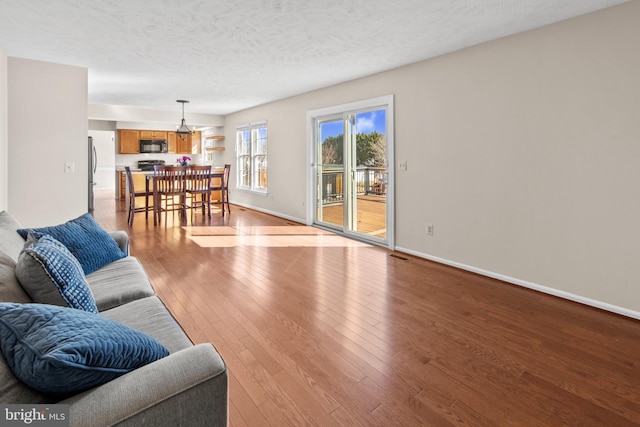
(183,130)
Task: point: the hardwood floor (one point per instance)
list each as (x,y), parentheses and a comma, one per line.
(319,330)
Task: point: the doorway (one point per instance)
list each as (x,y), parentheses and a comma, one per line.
(352,148)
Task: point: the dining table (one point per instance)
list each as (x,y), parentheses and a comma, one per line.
(151,184)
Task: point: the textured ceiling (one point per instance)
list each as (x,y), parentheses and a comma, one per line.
(225,55)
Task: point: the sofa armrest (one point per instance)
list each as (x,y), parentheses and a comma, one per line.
(186,388)
(122,238)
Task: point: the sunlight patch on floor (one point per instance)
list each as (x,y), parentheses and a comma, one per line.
(267,236)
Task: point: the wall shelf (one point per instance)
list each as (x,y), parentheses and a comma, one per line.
(213,144)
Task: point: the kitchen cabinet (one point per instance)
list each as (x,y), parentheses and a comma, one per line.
(139,185)
(123,185)
(172,144)
(153,134)
(128,141)
(188,144)
(183,144)
(196,142)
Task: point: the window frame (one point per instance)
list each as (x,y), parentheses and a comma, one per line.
(252,173)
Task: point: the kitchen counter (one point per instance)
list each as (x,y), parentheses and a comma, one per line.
(121,169)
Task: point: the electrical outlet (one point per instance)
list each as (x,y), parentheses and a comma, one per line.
(402,165)
(428,229)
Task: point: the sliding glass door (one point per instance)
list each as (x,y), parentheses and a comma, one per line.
(330,179)
(351,178)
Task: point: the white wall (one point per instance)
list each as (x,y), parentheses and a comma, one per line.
(144,118)
(4,149)
(523,152)
(47,121)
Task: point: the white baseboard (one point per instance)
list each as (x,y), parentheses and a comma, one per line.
(540,288)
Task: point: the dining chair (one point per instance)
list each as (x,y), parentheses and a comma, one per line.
(197,183)
(223,188)
(169,190)
(133,194)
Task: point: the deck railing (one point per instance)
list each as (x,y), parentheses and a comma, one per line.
(369,181)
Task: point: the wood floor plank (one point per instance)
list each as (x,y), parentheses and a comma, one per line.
(295,370)
(303,398)
(410,410)
(575,410)
(347,416)
(281,397)
(242,408)
(322,331)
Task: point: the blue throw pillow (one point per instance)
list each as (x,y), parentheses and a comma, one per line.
(64,351)
(87,241)
(52,275)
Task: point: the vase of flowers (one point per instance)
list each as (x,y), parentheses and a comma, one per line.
(183,160)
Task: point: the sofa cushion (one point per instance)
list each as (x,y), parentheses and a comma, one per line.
(10,241)
(118,283)
(63,351)
(10,289)
(12,390)
(52,275)
(150,316)
(86,240)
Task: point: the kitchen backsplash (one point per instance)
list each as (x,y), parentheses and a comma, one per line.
(131,160)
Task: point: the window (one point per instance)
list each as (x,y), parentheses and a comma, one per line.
(251,152)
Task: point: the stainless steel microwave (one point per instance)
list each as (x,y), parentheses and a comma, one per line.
(154,146)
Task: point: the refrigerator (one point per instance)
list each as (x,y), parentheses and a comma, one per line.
(93,163)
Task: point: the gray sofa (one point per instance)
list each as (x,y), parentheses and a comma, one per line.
(186,388)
